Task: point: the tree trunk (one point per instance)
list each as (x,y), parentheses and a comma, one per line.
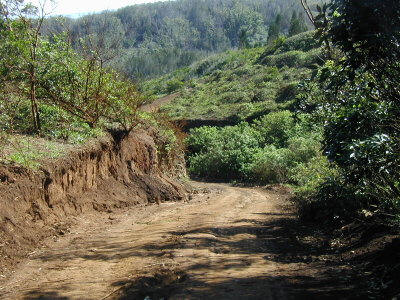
(316,26)
(34,106)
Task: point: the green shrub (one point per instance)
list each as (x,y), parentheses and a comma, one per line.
(287,92)
(313,58)
(334,202)
(245,70)
(173,86)
(271,150)
(266,74)
(263,95)
(272,48)
(274,128)
(208,65)
(290,59)
(270,165)
(202,139)
(310,175)
(305,41)
(304,148)
(15,113)
(222,153)
(236,97)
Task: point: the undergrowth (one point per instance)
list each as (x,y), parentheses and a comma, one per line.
(29,151)
(238,84)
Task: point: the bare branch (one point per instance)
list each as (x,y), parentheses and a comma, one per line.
(308,11)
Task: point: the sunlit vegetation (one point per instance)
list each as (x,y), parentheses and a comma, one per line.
(262,90)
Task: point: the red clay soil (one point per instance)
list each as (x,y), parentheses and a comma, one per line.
(108,175)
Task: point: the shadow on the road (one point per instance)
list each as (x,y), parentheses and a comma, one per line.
(275,237)
(280,238)
(37,295)
(263,287)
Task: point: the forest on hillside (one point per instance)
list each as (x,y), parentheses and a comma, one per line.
(157,38)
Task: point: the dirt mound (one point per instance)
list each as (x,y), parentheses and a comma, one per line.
(110,174)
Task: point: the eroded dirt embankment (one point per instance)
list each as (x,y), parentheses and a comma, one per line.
(112,173)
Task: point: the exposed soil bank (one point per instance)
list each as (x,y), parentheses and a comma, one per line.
(110,174)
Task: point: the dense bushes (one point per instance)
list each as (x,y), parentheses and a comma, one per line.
(295,59)
(357,96)
(222,153)
(275,128)
(278,148)
(270,165)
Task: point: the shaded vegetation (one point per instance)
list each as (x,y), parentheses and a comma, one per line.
(360,107)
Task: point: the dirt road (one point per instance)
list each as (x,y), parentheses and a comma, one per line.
(225,243)
(156,104)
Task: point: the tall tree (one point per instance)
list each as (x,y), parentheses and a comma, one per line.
(24,23)
(275,28)
(297,24)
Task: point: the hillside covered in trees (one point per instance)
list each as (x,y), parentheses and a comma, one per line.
(157,38)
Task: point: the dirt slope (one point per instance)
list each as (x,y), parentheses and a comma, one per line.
(109,174)
(225,243)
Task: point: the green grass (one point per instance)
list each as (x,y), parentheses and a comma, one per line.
(31,152)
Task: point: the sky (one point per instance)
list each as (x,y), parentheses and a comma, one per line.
(80,7)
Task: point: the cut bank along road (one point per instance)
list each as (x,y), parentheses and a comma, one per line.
(226,243)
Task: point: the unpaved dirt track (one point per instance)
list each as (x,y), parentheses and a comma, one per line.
(227,243)
(156,104)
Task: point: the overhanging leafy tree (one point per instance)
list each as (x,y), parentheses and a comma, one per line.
(368,33)
(362,134)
